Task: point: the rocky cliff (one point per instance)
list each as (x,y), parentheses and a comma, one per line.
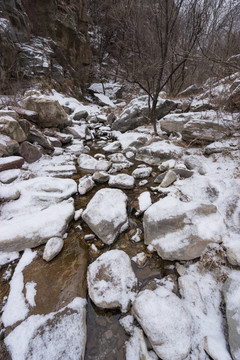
(44,39)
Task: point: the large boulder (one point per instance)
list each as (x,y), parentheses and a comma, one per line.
(106,214)
(111,280)
(50,112)
(165,321)
(157,152)
(181,231)
(10,127)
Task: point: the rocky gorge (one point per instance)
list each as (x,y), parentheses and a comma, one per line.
(115,242)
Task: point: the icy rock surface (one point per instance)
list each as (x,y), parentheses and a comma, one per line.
(181,231)
(106,214)
(165,321)
(111,280)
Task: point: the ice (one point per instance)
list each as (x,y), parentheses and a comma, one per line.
(64,335)
(16,308)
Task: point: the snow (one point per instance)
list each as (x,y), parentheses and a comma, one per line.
(64,334)
(8,176)
(129,138)
(104,99)
(111,280)
(16,308)
(123,181)
(31,292)
(144,201)
(6,257)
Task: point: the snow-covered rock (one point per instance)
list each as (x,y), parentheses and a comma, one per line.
(154,153)
(175,122)
(111,280)
(89,163)
(181,231)
(10,127)
(112,147)
(8,146)
(78,131)
(192,162)
(132,139)
(141,173)
(144,201)
(106,214)
(222,146)
(100,177)
(86,184)
(52,248)
(11,162)
(57,335)
(122,181)
(165,321)
(168,179)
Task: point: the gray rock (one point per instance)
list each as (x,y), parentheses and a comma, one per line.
(100,177)
(122,181)
(80,115)
(168,179)
(10,127)
(8,146)
(158,151)
(179,230)
(193,162)
(29,152)
(174,122)
(36,136)
(52,248)
(8,176)
(25,125)
(142,173)
(106,214)
(111,280)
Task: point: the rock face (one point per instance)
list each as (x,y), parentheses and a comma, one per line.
(45,39)
(111,280)
(106,214)
(179,230)
(165,321)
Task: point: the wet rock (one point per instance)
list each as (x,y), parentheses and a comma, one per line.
(122,181)
(106,214)
(231,291)
(36,136)
(8,146)
(29,152)
(86,184)
(165,321)
(83,114)
(168,179)
(179,230)
(193,162)
(10,127)
(154,153)
(100,177)
(51,114)
(111,280)
(52,248)
(141,173)
(11,162)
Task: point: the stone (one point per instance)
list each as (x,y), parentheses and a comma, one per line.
(133,140)
(193,163)
(106,214)
(174,123)
(165,321)
(25,114)
(118,158)
(52,248)
(10,127)
(29,152)
(8,193)
(169,178)
(180,231)
(231,292)
(100,177)
(8,146)
(222,146)
(86,184)
(90,164)
(233,253)
(25,125)
(158,151)
(78,131)
(122,181)
(142,173)
(11,162)
(140,259)
(83,114)
(144,201)
(167,165)
(78,214)
(116,167)
(8,176)
(51,114)
(233,102)
(112,147)
(36,136)
(111,280)
(103,165)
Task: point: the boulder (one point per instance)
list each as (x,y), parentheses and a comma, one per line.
(29,152)
(78,131)
(36,136)
(83,114)
(111,280)
(8,176)
(144,201)
(142,172)
(11,162)
(168,179)
(180,231)
(112,147)
(165,321)
(174,123)
(8,146)
(51,114)
(25,125)
(100,177)
(193,163)
(122,181)
(10,127)
(52,248)
(106,214)
(133,139)
(86,184)
(25,114)
(90,164)
(222,146)
(158,151)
